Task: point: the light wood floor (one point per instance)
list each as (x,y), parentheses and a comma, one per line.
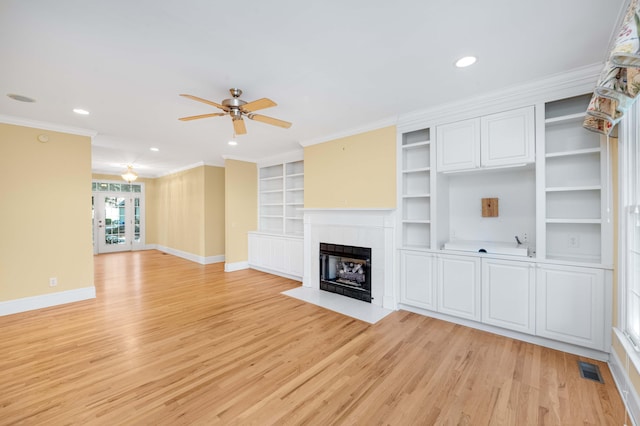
(168,341)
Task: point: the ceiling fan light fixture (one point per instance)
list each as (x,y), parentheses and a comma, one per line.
(129,176)
(232,143)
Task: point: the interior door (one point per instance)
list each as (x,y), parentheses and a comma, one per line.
(117,222)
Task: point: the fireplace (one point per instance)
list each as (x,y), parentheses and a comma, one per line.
(346,270)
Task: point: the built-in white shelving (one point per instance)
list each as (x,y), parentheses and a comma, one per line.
(416,158)
(281,190)
(575,185)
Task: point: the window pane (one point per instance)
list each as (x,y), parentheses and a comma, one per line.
(114,232)
(125,187)
(103,186)
(94,186)
(135,188)
(114,187)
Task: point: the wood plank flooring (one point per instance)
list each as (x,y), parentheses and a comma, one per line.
(168,341)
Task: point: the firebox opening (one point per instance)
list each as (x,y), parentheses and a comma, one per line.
(346,270)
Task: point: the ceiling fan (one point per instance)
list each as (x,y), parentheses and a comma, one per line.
(237,108)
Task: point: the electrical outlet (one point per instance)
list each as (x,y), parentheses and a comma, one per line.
(525,238)
(53,281)
(573,241)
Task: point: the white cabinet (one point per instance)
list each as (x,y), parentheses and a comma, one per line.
(458,145)
(507,138)
(571,305)
(496,140)
(459,286)
(508,294)
(417,279)
(276,254)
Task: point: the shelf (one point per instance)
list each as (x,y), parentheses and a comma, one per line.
(574,188)
(294,189)
(417,170)
(295,175)
(268,216)
(293,218)
(577,221)
(271,178)
(565,118)
(425,195)
(573,152)
(294,204)
(271,191)
(415,221)
(415,144)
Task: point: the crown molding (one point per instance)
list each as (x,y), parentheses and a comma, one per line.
(18,121)
(182,169)
(390,121)
(238,158)
(559,86)
(285,157)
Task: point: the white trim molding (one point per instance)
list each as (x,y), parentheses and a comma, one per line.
(190,256)
(236,266)
(391,121)
(46,300)
(619,370)
(17,121)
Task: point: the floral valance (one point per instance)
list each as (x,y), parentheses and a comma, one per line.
(619,82)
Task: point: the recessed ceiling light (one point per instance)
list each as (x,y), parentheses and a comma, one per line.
(466,61)
(20,98)
(81,111)
(154,149)
(232,143)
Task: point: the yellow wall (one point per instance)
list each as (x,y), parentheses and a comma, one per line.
(214,210)
(356,171)
(45,212)
(241,208)
(150,200)
(184,211)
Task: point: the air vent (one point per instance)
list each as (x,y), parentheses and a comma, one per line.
(590,371)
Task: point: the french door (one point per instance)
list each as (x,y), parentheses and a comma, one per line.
(117,222)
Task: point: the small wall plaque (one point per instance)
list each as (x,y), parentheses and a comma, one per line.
(489,207)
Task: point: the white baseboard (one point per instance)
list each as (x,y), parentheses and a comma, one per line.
(190,256)
(46,300)
(236,266)
(536,340)
(627,391)
(274,272)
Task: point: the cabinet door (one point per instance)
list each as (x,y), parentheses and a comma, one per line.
(570,305)
(508,294)
(459,286)
(294,258)
(417,283)
(458,145)
(508,138)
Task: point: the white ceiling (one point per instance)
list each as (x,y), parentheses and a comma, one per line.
(330,65)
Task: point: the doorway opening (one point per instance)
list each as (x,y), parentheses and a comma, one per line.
(118,217)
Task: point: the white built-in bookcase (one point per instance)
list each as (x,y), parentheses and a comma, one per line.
(281,196)
(574,187)
(417,163)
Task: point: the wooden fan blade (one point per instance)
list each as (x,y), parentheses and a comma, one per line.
(204,101)
(195,117)
(258,104)
(269,120)
(239,127)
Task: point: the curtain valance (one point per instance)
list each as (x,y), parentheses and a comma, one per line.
(619,82)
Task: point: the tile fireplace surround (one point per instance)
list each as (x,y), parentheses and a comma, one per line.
(374,228)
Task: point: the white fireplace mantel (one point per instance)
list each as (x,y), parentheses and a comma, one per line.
(361,227)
